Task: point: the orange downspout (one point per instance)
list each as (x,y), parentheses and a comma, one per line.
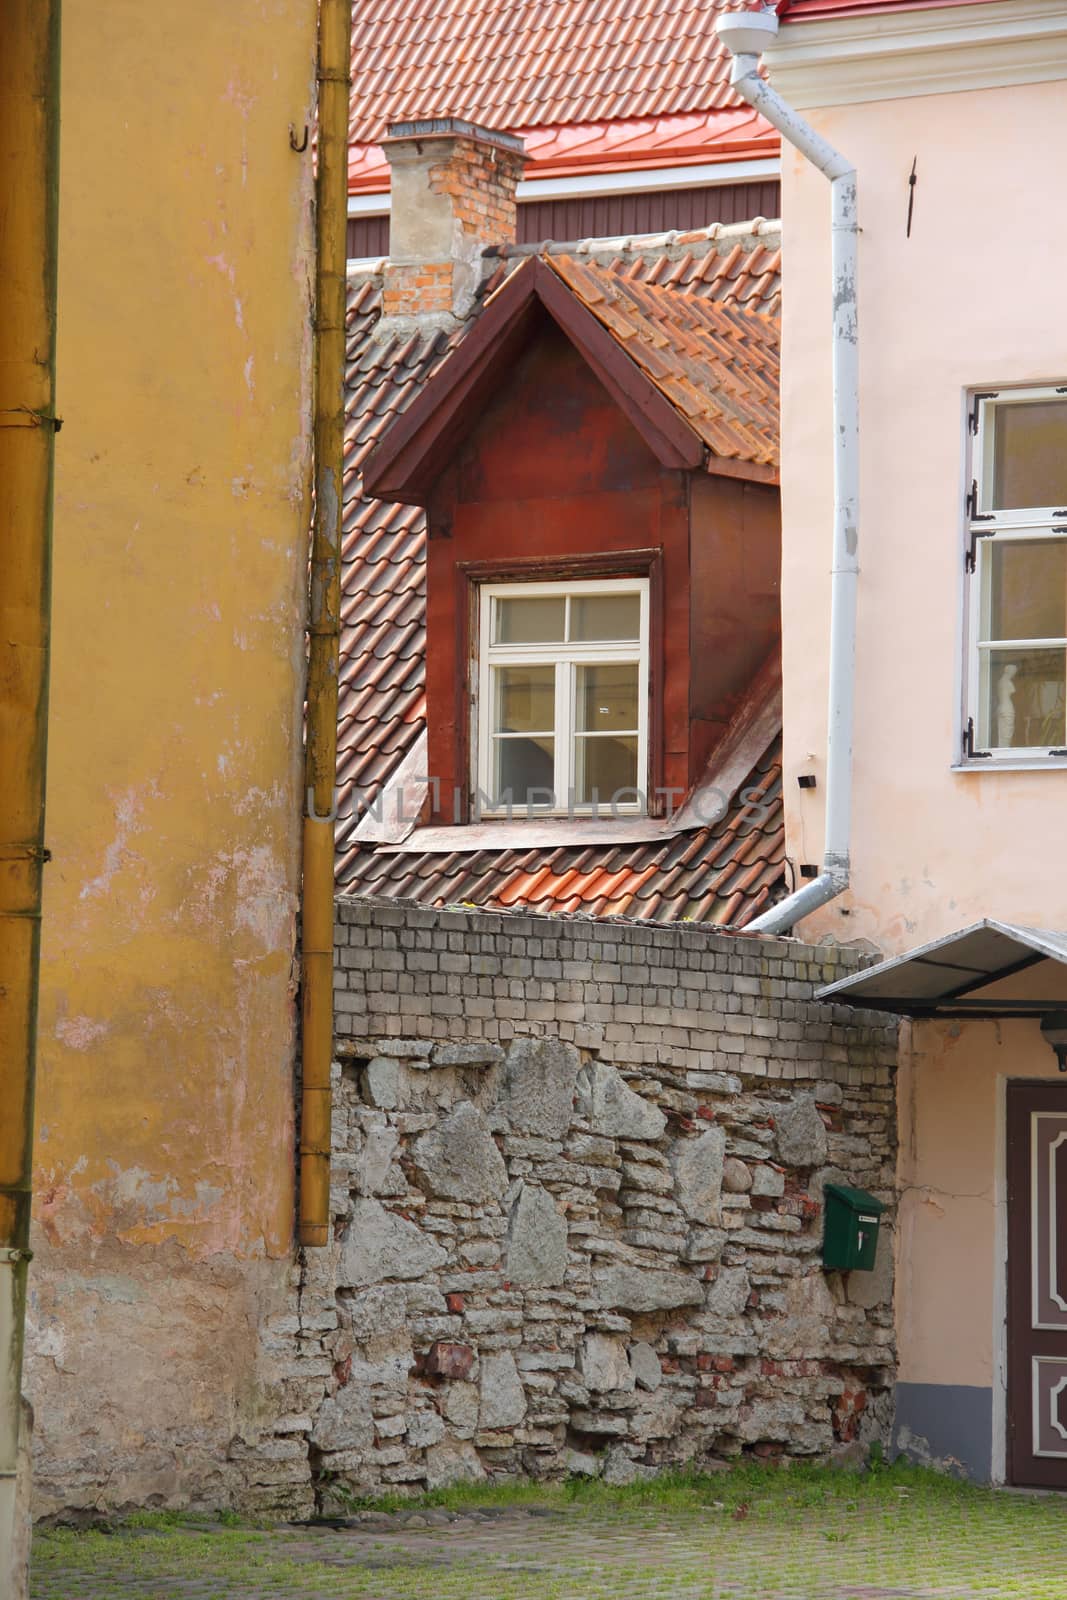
(29,159)
(324,617)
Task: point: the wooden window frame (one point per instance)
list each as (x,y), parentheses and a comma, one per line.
(568,655)
(468,576)
(986,528)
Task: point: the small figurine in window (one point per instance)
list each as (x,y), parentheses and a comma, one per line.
(1006,704)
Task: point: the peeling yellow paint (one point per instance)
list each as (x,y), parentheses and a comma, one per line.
(167,1015)
(80,1032)
(165,1148)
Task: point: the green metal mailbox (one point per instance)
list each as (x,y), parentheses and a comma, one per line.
(850,1234)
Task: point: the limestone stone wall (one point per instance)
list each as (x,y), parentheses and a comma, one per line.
(577,1193)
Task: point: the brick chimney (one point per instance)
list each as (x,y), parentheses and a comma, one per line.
(453,195)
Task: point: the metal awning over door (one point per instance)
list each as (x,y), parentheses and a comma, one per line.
(946,977)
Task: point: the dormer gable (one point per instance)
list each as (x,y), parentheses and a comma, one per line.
(598,462)
(697,380)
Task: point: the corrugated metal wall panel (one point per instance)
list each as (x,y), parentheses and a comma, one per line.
(367,236)
(656,212)
(608,216)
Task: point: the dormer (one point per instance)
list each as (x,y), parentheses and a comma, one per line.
(598,463)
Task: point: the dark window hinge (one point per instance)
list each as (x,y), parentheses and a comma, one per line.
(971,504)
(1058,752)
(972,548)
(973,516)
(969,752)
(985,394)
(1062,389)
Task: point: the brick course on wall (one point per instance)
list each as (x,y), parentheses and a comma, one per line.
(479,179)
(577,1191)
(482,181)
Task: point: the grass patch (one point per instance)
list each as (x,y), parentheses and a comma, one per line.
(458,1497)
(756,1532)
(153,1519)
(755,1484)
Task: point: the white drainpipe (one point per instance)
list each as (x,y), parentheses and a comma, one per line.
(746,34)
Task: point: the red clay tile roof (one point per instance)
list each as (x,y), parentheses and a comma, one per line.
(527,63)
(520,65)
(728,872)
(723,874)
(717,364)
(730,265)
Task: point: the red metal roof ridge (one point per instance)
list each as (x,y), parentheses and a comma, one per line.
(820,10)
(610,145)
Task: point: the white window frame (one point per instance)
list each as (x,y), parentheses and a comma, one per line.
(567,656)
(983,529)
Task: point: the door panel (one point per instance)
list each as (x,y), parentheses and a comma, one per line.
(1037,1284)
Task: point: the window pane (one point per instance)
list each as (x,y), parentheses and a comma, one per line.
(525,699)
(607,698)
(606,616)
(1024,699)
(1030,454)
(608,766)
(522,766)
(530,619)
(1028,590)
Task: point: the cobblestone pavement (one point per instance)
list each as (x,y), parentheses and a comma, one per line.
(900,1546)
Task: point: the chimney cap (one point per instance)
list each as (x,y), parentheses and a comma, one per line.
(451,128)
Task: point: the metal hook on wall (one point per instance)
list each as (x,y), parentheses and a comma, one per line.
(912,181)
(299,148)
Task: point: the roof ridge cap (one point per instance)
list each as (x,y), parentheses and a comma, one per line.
(723,235)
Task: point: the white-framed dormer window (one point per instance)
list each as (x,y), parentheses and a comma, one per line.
(561,698)
(1016,672)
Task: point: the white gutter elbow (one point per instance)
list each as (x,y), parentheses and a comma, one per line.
(745,78)
(746,34)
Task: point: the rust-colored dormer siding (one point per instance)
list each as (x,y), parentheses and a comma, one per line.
(554,481)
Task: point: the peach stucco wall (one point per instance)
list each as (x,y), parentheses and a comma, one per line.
(950,1086)
(970,299)
(952,1211)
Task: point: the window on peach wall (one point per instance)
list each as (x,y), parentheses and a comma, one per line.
(1016,679)
(561,688)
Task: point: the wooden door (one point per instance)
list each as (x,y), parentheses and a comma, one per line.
(1037,1284)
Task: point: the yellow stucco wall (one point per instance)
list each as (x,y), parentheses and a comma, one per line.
(164,1207)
